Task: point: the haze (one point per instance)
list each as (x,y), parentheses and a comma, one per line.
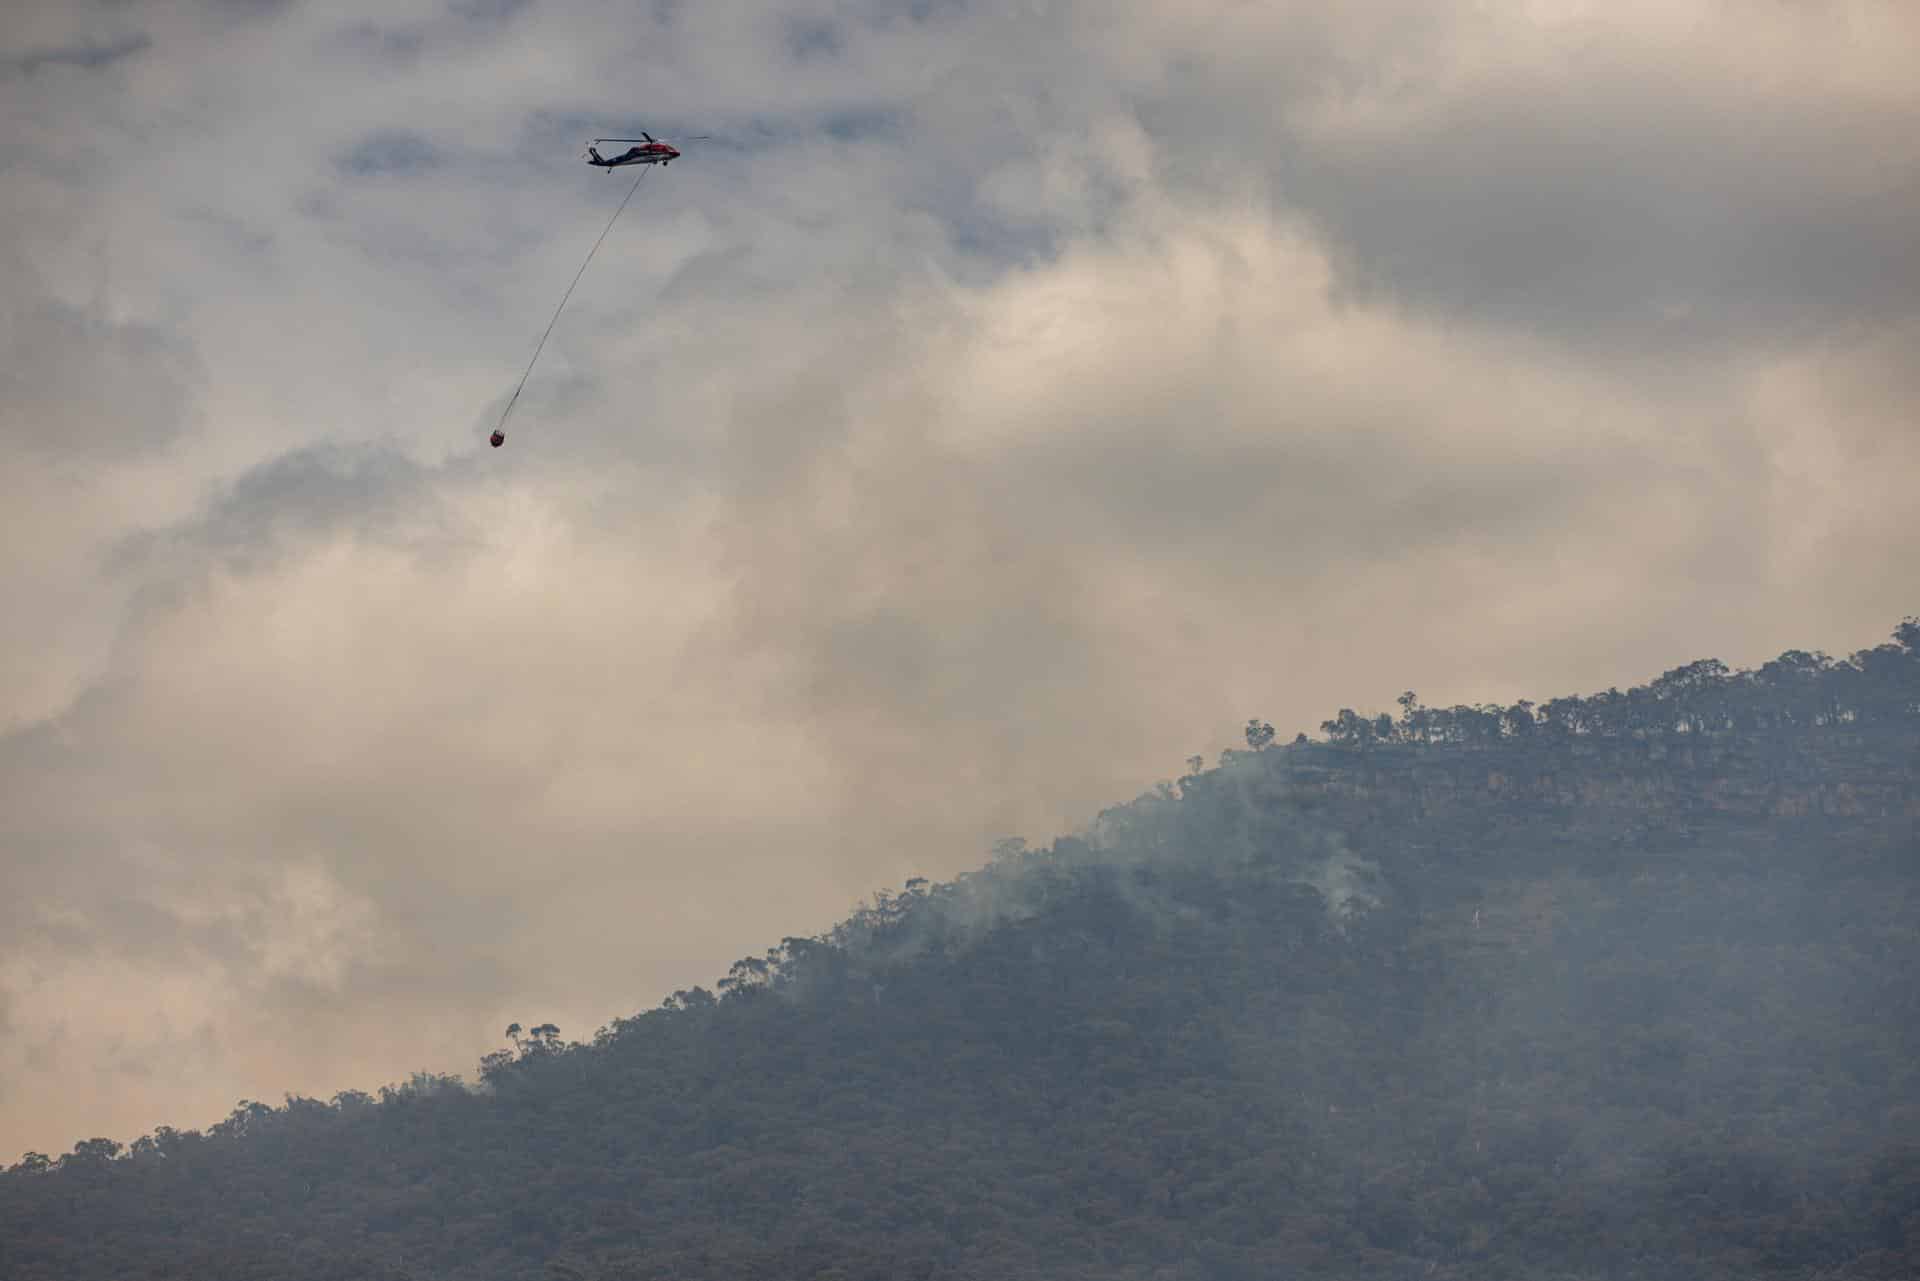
(1008,401)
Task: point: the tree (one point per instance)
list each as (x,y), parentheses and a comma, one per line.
(538,1042)
(1564,717)
(1413,720)
(749,975)
(91,1154)
(1349,729)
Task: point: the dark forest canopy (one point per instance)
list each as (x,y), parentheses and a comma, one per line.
(1613,987)
(1798,690)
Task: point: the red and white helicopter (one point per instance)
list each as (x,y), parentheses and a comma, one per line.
(648,151)
(651,151)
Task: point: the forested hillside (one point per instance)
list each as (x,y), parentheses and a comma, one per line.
(1609,987)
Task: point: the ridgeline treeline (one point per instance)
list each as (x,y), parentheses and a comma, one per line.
(1608,987)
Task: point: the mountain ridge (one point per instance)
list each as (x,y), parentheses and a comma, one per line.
(1616,989)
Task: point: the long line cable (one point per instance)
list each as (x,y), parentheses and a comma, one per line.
(501,425)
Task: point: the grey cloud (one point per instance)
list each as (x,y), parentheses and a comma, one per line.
(77,383)
(240,236)
(489,10)
(1641,221)
(390,152)
(285,504)
(857,126)
(399,47)
(251,9)
(1695,184)
(86,56)
(810,38)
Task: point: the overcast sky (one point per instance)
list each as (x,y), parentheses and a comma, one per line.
(1010,399)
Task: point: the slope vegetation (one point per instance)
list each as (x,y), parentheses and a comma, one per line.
(1617,987)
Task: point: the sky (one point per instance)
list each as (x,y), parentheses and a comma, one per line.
(1008,400)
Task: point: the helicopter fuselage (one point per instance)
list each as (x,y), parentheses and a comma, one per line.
(654,153)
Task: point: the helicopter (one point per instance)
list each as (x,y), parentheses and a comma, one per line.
(651,151)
